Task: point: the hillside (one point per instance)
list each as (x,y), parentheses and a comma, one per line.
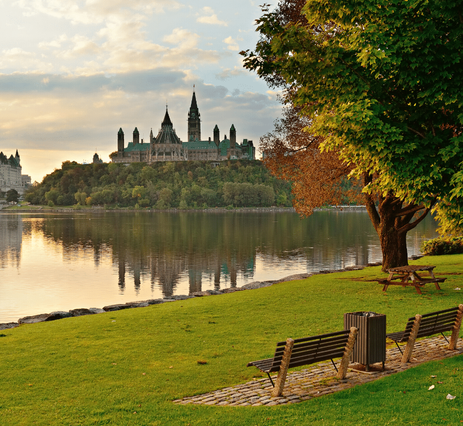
(184,185)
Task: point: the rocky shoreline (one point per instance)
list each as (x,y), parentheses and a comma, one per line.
(52,316)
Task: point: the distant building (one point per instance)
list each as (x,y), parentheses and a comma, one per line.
(10,174)
(96,159)
(167,146)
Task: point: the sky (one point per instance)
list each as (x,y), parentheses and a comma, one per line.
(72,72)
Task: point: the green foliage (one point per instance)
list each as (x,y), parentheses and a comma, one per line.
(12,196)
(444,245)
(382,83)
(162,185)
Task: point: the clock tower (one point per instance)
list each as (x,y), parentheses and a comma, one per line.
(194,122)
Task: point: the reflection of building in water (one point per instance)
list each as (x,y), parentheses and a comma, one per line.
(163,270)
(166,269)
(11,232)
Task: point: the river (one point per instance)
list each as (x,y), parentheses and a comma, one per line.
(62,261)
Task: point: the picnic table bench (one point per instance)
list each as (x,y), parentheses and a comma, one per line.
(305,351)
(427,325)
(408,276)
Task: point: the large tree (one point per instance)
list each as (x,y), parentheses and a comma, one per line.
(380,83)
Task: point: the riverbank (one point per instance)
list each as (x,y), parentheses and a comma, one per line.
(127,367)
(96,209)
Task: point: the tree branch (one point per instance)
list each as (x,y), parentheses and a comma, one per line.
(411,208)
(412,225)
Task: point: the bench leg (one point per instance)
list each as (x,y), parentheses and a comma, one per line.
(342,371)
(407,354)
(281,378)
(456,329)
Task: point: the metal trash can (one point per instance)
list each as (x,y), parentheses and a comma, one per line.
(370,346)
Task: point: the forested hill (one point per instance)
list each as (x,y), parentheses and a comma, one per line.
(184,185)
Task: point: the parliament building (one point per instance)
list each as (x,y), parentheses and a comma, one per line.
(167,146)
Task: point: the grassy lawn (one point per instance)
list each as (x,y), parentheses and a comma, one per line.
(126,367)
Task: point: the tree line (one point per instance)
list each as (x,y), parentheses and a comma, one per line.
(183,185)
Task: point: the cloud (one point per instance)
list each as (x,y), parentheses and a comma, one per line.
(133,82)
(230,73)
(94,11)
(210,17)
(183,38)
(82,46)
(232,44)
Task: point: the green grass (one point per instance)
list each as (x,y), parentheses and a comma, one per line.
(126,367)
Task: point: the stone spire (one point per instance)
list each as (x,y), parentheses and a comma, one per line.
(194,121)
(232,137)
(136,136)
(167,121)
(217,135)
(120,141)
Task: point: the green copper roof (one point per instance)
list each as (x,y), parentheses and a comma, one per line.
(224,145)
(199,145)
(137,147)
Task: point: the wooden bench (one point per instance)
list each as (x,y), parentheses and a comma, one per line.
(305,351)
(427,325)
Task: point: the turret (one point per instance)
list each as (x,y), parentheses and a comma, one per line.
(120,141)
(232,137)
(151,136)
(136,136)
(216,135)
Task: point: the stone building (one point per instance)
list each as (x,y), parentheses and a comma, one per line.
(10,174)
(167,146)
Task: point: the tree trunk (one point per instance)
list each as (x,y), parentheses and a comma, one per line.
(393,246)
(392,221)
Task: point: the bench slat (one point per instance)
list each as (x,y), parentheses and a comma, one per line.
(313,352)
(439,318)
(423,332)
(318,337)
(340,340)
(438,312)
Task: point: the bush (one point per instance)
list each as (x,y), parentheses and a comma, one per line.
(437,246)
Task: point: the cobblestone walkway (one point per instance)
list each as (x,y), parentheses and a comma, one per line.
(319,380)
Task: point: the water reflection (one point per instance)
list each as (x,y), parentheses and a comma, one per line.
(11,233)
(83,258)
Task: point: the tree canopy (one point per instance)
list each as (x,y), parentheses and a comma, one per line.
(381,82)
(184,185)
(12,196)
(379,86)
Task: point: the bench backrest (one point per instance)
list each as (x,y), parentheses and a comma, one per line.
(309,350)
(433,323)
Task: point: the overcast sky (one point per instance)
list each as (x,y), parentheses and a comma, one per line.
(72,72)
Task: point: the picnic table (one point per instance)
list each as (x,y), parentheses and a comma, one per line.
(408,276)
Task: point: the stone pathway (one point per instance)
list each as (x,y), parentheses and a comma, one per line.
(319,379)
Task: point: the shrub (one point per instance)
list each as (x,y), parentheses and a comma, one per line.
(443,245)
